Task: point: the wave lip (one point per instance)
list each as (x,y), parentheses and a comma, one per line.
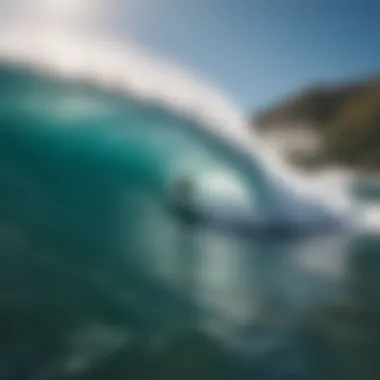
(119,67)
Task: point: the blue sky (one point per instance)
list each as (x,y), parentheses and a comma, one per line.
(260,50)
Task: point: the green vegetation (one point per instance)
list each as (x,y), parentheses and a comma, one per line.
(347,117)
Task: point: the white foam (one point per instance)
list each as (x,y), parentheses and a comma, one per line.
(370,218)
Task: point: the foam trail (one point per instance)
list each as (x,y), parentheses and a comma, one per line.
(370,218)
(50,39)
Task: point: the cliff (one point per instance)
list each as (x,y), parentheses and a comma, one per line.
(345,117)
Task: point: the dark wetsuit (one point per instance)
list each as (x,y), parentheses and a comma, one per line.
(182,205)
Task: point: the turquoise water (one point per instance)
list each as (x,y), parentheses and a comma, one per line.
(99,280)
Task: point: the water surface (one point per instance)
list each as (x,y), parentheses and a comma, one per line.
(99,280)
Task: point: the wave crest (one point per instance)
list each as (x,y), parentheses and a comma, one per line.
(129,69)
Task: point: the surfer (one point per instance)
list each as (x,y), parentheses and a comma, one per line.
(183,201)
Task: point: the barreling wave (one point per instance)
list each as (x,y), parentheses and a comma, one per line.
(128,70)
